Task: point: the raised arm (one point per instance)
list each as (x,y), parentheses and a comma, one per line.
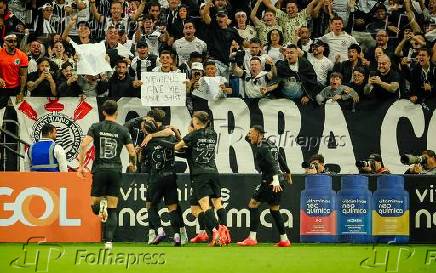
(68,28)
(253,13)
(139,11)
(206,13)
(310,7)
(98,17)
(269,5)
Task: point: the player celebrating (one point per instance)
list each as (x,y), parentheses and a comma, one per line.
(269,163)
(159,153)
(108,137)
(204,174)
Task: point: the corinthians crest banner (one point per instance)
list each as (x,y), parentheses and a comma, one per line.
(71,116)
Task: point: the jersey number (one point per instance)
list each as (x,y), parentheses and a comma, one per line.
(108,148)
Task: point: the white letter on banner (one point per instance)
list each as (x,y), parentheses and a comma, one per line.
(180,118)
(343,153)
(244,155)
(431,133)
(287,140)
(63,217)
(126,105)
(388,137)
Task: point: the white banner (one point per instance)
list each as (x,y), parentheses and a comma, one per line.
(209,88)
(163,89)
(92,59)
(71,116)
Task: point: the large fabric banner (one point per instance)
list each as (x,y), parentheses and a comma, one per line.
(71,116)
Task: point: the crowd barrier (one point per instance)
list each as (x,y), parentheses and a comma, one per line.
(56,206)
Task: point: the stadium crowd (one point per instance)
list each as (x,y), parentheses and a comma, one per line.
(306,51)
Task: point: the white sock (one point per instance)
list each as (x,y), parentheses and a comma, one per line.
(151,232)
(252,235)
(160,231)
(183,230)
(284,237)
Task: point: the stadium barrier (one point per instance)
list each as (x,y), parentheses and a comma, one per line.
(56,206)
(50,205)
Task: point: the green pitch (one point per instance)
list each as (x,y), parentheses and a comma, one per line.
(136,257)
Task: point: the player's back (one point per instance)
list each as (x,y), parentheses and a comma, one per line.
(109,139)
(266,157)
(159,154)
(202,143)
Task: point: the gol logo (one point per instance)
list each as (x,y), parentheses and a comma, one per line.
(55,207)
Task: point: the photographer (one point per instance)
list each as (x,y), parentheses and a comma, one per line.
(424,164)
(374,165)
(315,165)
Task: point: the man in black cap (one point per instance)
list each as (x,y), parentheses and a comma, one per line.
(321,64)
(374,165)
(270,163)
(143,62)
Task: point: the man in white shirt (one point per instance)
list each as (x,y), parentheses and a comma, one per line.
(321,64)
(338,40)
(189,43)
(45,155)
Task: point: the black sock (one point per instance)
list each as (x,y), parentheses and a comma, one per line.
(222,216)
(111,224)
(254,219)
(95,208)
(278,220)
(180,215)
(210,220)
(153,217)
(201,223)
(175,221)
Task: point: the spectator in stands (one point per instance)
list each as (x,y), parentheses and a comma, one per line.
(143,62)
(255,49)
(175,29)
(293,19)
(264,26)
(45,155)
(9,22)
(338,40)
(59,56)
(321,64)
(67,83)
(154,10)
(83,31)
(356,26)
(153,36)
(358,81)
(41,83)
(189,43)
(13,70)
(111,43)
(255,80)
(166,63)
(274,46)
(421,75)
(116,18)
(410,44)
(220,39)
(92,86)
(382,41)
(45,22)
(354,60)
(385,82)
(36,52)
(336,91)
(245,31)
(304,41)
(296,77)
(122,84)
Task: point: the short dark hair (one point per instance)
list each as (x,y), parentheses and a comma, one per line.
(291,46)
(150,126)
(165,52)
(202,116)
(317,157)
(46,128)
(209,63)
(426,49)
(430,153)
(110,107)
(255,40)
(336,75)
(255,58)
(122,61)
(337,18)
(66,64)
(356,47)
(157,114)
